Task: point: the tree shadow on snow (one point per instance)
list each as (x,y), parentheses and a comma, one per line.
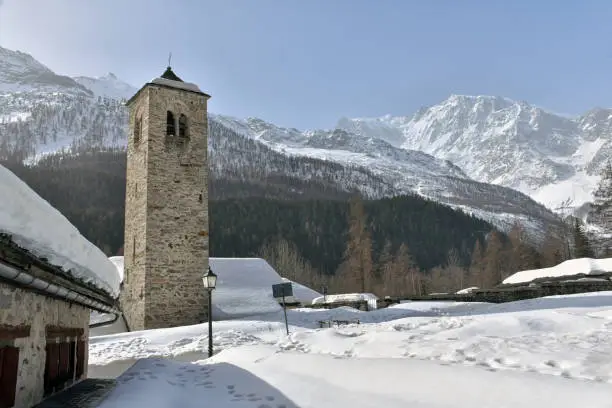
(163,383)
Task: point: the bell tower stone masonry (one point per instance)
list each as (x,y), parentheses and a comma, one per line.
(166,207)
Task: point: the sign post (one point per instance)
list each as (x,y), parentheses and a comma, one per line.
(283,290)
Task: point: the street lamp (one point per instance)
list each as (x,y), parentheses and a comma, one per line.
(210,281)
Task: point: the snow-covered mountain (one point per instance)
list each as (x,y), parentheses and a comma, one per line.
(408,171)
(107,86)
(552,158)
(41,115)
(21,73)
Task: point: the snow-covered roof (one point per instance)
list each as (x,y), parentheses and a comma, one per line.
(118,262)
(572,267)
(36,226)
(302,293)
(244,287)
(188,86)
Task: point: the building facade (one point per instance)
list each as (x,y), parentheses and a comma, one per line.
(166,209)
(44,327)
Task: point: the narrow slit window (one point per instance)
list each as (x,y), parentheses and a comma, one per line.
(170,126)
(137,130)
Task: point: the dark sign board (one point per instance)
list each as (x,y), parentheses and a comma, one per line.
(282,290)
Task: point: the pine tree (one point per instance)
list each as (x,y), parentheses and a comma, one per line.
(456,272)
(406,271)
(383,267)
(357,267)
(520,254)
(582,246)
(476,270)
(601,208)
(553,249)
(493,260)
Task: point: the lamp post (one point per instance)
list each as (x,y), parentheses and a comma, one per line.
(210,281)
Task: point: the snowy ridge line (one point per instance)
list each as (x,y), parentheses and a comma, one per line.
(96,119)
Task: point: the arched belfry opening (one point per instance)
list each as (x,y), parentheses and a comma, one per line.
(170,125)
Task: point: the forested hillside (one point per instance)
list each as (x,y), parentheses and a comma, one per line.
(89,189)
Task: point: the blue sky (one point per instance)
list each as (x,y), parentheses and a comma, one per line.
(305,63)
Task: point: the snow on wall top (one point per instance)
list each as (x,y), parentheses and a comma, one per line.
(585,266)
(37,226)
(348,297)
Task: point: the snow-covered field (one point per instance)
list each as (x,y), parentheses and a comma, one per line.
(553,351)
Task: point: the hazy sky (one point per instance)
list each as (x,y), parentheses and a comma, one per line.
(305,63)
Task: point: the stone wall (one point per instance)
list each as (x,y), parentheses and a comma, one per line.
(19,307)
(510,294)
(132,292)
(358,304)
(166,230)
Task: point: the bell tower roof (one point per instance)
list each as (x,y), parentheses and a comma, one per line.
(170,80)
(169,74)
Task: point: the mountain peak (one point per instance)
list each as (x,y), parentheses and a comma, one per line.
(20,72)
(107,86)
(475,99)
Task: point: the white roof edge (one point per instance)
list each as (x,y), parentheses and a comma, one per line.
(188,86)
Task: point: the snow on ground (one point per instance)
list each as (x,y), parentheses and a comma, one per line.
(572,267)
(554,351)
(565,335)
(259,377)
(578,189)
(38,227)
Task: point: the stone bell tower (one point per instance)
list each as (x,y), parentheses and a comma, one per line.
(166,207)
